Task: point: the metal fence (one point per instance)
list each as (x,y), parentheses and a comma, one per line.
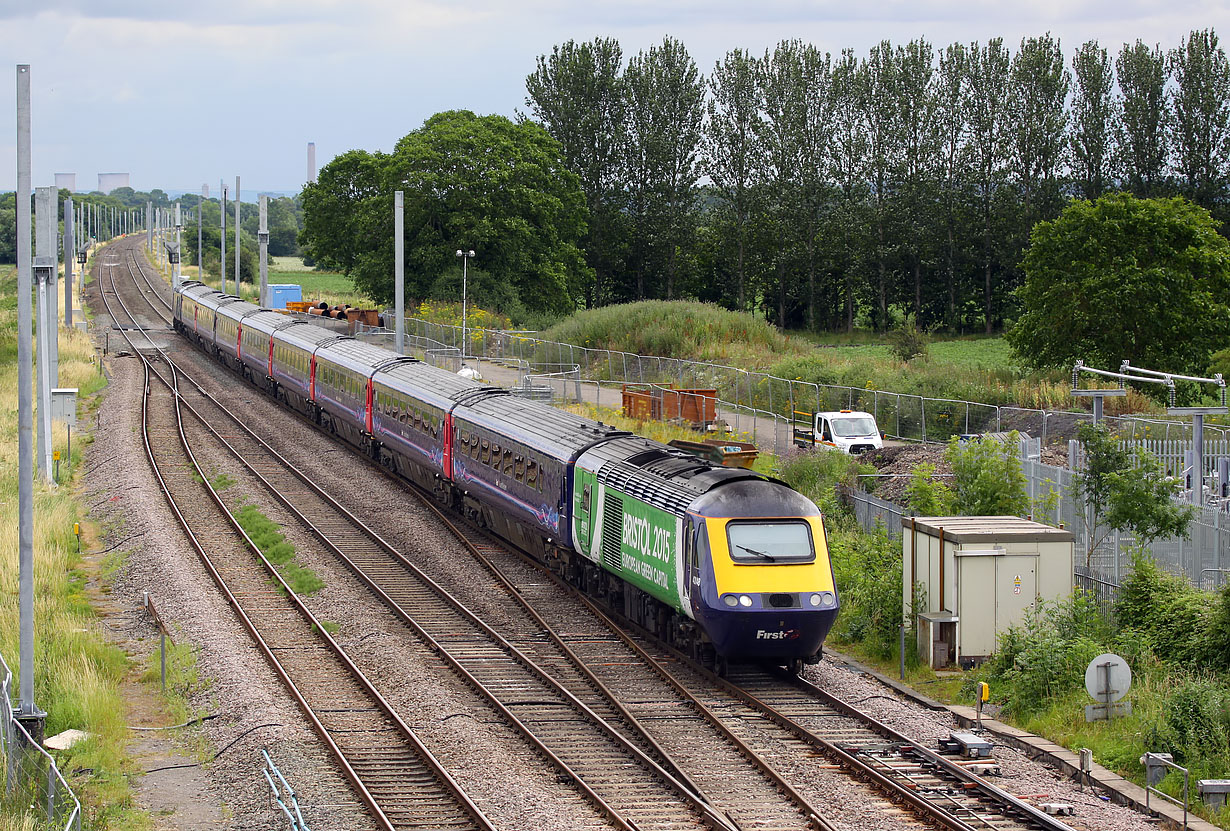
(1203,557)
(31,777)
(902,416)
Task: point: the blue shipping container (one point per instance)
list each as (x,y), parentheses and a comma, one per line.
(282,293)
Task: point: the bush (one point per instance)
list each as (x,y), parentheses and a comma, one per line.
(867,568)
(927,497)
(816,474)
(1174,618)
(906,342)
(1046,656)
(987,477)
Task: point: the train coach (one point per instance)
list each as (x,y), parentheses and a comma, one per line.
(722,562)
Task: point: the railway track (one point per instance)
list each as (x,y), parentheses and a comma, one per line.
(397,778)
(627,778)
(793,732)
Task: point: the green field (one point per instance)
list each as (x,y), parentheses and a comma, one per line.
(328,286)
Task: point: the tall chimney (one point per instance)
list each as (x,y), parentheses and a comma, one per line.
(311,163)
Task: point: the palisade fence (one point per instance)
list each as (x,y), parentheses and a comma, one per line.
(1203,557)
(766,403)
(31,777)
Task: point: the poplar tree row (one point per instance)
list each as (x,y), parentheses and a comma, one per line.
(833,190)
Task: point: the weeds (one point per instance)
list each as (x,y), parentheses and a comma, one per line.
(268,537)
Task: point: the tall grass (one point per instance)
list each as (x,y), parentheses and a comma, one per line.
(77,673)
(679,329)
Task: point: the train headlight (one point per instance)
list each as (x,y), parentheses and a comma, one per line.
(745,601)
(815,600)
(824,599)
(730,600)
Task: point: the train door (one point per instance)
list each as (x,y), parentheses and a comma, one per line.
(691,570)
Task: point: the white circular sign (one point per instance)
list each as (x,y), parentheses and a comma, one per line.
(1108,671)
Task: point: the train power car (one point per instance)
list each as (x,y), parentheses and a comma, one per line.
(720,561)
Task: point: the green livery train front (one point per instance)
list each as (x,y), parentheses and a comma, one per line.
(742,561)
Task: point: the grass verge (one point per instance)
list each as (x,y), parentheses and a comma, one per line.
(77,673)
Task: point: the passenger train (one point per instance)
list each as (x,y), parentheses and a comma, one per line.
(722,562)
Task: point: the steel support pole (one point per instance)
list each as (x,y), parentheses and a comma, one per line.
(399,272)
(25,401)
(200,233)
(1097,409)
(149,226)
(238,204)
(222,222)
(262,238)
(70,254)
(43,350)
(1198,459)
(179,251)
(50,248)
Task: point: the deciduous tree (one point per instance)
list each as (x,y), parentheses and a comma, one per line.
(1146,280)
(1143,133)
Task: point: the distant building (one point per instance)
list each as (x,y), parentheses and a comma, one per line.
(108,182)
(66,181)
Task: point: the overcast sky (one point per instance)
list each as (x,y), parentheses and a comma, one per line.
(178,93)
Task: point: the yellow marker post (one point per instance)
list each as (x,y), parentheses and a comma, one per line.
(983,694)
(55,457)
(77,534)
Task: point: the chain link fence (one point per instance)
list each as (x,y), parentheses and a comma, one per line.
(901,416)
(31,779)
(1203,557)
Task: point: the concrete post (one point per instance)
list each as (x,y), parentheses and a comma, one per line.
(399,273)
(238,203)
(70,255)
(25,401)
(222,261)
(149,226)
(262,236)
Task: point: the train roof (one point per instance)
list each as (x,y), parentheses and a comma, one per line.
(201,293)
(305,335)
(659,474)
(265,321)
(438,386)
(236,309)
(561,434)
(357,355)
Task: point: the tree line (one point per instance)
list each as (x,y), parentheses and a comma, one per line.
(830,191)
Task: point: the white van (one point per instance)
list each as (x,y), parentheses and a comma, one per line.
(850,431)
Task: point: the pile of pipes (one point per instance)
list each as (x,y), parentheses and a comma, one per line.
(368,317)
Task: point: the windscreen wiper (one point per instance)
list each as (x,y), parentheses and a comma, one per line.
(768,557)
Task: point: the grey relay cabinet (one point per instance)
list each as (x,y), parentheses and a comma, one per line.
(977,576)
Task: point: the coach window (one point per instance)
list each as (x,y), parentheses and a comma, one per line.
(485,456)
(508,462)
(519,469)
